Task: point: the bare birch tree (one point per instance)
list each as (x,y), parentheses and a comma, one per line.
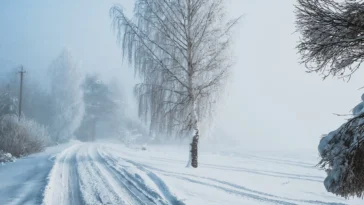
(179,48)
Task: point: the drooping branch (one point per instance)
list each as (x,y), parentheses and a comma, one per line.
(332,36)
(179,49)
(342,153)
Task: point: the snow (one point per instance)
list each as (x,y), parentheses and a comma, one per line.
(23,181)
(111,173)
(359,109)
(336,150)
(6,157)
(325,141)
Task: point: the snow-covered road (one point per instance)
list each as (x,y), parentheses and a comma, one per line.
(88,174)
(92,174)
(81,174)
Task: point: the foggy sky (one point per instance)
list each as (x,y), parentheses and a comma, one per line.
(270,101)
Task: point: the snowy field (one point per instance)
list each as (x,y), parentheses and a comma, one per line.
(114,174)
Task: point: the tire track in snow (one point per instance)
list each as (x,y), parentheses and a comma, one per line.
(133,182)
(268,173)
(97,186)
(304,177)
(63,184)
(257,192)
(276,160)
(266,194)
(75,192)
(182,176)
(164,188)
(230,191)
(311,178)
(172,199)
(113,179)
(284,161)
(82,176)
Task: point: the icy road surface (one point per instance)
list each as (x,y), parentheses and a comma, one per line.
(95,174)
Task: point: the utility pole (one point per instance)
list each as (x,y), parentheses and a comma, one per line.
(22,71)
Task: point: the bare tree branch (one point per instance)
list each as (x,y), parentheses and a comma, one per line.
(332,36)
(179,49)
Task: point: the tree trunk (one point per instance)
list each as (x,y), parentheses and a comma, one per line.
(93,133)
(194,150)
(193,160)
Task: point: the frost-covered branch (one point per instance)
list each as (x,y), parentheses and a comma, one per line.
(332,36)
(179,49)
(342,153)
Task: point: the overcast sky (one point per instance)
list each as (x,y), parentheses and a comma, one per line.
(270,101)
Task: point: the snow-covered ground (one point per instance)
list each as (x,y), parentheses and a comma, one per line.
(109,173)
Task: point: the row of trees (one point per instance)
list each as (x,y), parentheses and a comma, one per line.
(59,108)
(331,43)
(53,107)
(74,105)
(49,116)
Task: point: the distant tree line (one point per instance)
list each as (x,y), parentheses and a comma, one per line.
(74,105)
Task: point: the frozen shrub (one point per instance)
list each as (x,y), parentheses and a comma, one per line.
(6,157)
(36,131)
(21,138)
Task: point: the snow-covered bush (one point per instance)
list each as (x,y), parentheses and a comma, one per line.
(20,138)
(36,131)
(342,153)
(6,157)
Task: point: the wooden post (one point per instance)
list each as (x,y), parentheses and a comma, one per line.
(21,90)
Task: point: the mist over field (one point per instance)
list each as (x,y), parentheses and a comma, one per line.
(180,102)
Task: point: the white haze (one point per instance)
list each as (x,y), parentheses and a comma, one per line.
(270,102)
